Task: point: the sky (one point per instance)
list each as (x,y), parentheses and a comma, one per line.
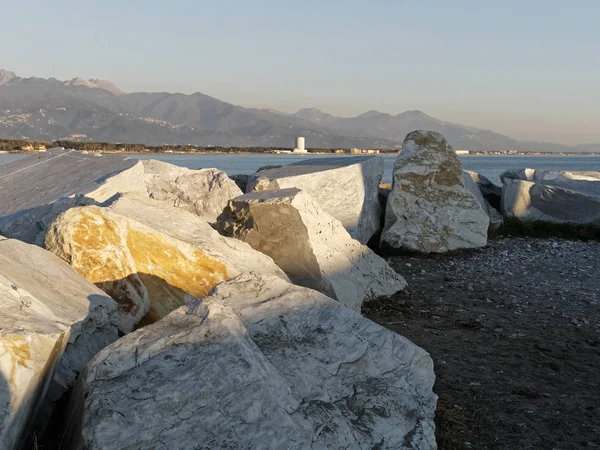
(529,69)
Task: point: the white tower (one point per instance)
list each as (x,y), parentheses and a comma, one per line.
(300,145)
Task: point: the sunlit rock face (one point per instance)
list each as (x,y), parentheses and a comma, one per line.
(347,188)
(587,182)
(312,247)
(52,321)
(536,202)
(429,209)
(259,363)
(35,190)
(204,192)
(150,257)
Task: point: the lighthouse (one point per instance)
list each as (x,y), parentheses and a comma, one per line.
(300,145)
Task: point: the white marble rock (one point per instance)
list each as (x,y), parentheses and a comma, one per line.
(345,187)
(429,209)
(587,182)
(535,202)
(34,191)
(258,363)
(52,321)
(311,247)
(204,192)
(149,256)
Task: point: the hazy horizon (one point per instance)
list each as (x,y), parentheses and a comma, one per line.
(529,71)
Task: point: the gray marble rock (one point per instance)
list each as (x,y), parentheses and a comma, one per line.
(429,209)
(490,191)
(52,321)
(347,188)
(496,218)
(586,182)
(241,180)
(258,363)
(311,247)
(532,202)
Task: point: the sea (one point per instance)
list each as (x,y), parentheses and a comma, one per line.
(489,166)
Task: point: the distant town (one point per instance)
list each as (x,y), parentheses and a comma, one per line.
(37,146)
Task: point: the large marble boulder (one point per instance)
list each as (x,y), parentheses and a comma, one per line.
(496,218)
(52,321)
(36,190)
(429,209)
(259,363)
(533,202)
(312,247)
(347,188)
(204,192)
(149,256)
(490,191)
(586,182)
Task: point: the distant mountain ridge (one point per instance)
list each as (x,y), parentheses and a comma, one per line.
(97,110)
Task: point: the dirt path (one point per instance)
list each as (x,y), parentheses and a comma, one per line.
(514,332)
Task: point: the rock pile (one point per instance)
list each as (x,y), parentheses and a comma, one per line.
(217,346)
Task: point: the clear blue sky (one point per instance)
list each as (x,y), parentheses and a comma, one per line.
(530,69)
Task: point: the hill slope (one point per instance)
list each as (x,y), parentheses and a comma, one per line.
(97,110)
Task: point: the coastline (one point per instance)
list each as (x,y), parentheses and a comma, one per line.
(271,153)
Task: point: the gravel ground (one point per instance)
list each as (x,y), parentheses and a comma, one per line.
(514,332)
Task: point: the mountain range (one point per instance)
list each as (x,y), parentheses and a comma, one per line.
(97,110)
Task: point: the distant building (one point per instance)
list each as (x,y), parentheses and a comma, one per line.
(356,151)
(27,148)
(462,152)
(40,148)
(300,145)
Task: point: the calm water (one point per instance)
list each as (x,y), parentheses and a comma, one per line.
(489,166)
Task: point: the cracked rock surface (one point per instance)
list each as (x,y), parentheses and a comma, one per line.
(52,321)
(311,247)
(204,192)
(259,363)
